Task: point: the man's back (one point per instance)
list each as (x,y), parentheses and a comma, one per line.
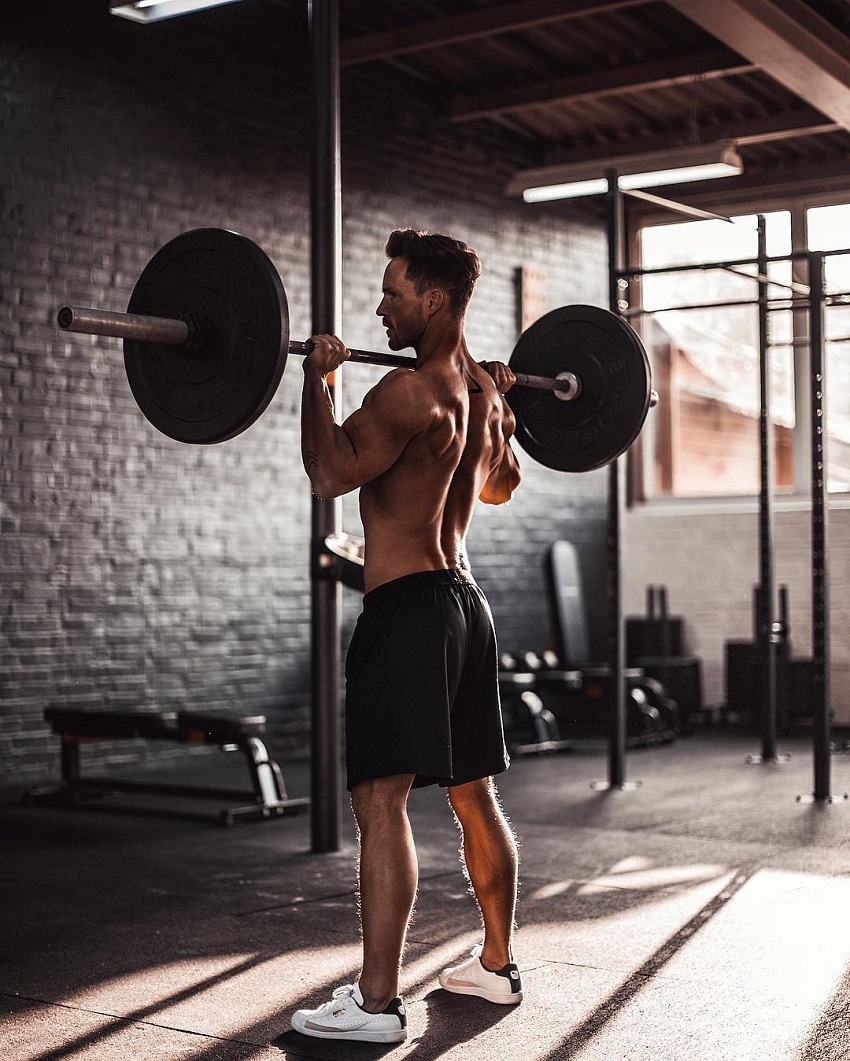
(425,445)
(417,513)
(404,509)
(486,452)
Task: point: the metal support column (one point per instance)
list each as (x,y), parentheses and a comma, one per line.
(768,631)
(820,582)
(326,251)
(801,436)
(616,641)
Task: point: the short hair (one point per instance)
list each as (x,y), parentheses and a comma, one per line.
(437,261)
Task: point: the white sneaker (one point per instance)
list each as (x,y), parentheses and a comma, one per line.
(344,1018)
(471,978)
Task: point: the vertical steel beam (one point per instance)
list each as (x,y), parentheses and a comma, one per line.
(326,269)
(614,594)
(768,638)
(820,587)
(801,436)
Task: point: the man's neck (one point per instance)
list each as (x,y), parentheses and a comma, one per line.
(443,342)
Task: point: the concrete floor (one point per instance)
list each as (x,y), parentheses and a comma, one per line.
(704,916)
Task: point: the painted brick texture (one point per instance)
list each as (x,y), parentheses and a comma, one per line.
(708,559)
(141,573)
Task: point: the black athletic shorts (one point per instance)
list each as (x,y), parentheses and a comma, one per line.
(422,692)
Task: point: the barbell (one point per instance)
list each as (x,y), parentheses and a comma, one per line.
(206,339)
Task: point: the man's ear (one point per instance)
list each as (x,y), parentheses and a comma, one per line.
(435,299)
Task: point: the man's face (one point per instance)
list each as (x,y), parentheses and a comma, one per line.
(401,309)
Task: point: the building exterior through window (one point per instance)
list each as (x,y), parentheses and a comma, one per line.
(703,341)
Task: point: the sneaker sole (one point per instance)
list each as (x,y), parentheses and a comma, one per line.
(479,992)
(363,1037)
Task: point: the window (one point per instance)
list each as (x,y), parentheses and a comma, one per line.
(700,325)
(699,322)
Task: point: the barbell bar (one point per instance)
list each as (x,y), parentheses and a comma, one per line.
(206,338)
(189,333)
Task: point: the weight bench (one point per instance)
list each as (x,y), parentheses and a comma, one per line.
(267,797)
(652,717)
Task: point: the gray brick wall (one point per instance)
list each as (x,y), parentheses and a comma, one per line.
(708,559)
(141,573)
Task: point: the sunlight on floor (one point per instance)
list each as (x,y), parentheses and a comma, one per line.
(642,952)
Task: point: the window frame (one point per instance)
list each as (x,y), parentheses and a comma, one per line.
(641,457)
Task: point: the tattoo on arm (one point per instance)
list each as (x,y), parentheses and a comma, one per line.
(311,460)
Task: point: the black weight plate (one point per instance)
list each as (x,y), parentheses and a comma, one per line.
(227,284)
(605,419)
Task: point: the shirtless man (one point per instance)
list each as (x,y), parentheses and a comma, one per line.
(422,702)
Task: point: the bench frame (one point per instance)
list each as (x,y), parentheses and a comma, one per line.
(266,799)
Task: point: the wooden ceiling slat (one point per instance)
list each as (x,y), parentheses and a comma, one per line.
(484,22)
(620,81)
(798,123)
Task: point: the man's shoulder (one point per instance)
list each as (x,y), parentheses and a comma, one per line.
(401,401)
(395,386)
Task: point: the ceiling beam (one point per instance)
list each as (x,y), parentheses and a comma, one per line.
(789,41)
(659,73)
(805,121)
(485,22)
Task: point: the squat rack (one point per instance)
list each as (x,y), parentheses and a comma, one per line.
(813,297)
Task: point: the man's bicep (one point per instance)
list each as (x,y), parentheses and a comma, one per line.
(379,431)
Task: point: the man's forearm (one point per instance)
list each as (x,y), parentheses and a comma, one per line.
(317,425)
(321,438)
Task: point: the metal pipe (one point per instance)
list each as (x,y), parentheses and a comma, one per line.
(681,208)
(801,434)
(767,633)
(172,332)
(616,641)
(736,268)
(773,304)
(326,269)
(763,279)
(820,581)
(703,266)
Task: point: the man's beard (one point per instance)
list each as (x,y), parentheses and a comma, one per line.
(407,333)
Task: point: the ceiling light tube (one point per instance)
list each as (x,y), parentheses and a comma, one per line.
(695,162)
(156,10)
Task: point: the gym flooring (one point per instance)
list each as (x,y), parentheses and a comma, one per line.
(700,917)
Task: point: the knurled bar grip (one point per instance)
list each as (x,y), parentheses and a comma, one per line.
(171,332)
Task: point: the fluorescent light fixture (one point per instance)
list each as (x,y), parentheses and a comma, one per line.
(696,162)
(155,10)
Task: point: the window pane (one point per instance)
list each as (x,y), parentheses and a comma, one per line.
(829,227)
(705,369)
(705,358)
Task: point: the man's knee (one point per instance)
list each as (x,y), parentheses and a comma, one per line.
(475,797)
(380,796)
